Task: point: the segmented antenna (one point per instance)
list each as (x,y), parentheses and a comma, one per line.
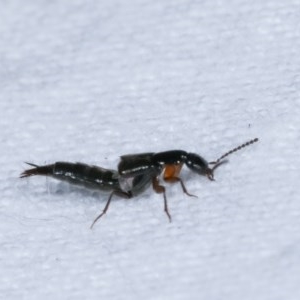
(234,150)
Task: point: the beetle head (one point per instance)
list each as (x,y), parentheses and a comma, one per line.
(200,166)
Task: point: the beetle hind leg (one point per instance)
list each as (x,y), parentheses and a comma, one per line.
(121,194)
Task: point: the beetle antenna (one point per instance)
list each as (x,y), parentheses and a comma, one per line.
(217,162)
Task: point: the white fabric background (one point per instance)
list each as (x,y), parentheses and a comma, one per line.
(91,80)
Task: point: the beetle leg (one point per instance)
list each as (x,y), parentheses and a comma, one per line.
(178,179)
(161,190)
(122,194)
(171,173)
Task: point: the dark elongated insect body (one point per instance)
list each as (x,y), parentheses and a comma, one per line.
(136,172)
(92,177)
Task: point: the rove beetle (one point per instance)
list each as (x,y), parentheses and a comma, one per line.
(135,173)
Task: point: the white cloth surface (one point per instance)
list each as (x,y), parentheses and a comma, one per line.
(89,81)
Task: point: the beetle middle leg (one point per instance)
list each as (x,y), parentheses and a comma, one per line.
(126,195)
(171,173)
(161,190)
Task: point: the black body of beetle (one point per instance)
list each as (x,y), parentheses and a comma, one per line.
(80,174)
(135,173)
(92,177)
(135,164)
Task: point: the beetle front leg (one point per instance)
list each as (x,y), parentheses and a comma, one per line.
(171,175)
(178,179)
(161,190)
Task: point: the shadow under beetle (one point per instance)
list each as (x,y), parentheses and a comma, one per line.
(135,173)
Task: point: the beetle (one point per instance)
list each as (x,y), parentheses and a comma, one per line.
(136,172)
